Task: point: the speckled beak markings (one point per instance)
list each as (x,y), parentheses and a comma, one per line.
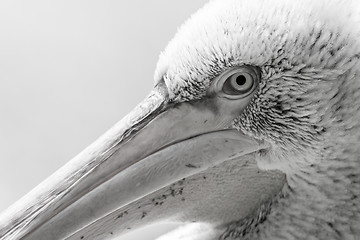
(154,146)
(252,128)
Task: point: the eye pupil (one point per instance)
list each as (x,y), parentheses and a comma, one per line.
(238,82)
(241,80)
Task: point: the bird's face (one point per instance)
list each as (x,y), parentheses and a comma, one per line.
(241,80)
(302,60)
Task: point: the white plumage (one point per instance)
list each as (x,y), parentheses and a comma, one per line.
(295,174)
(309,55)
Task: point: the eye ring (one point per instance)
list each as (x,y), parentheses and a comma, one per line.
(238,82)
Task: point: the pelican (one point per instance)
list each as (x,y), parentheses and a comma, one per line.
(252,131)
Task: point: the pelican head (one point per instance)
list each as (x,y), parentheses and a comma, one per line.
(252,129)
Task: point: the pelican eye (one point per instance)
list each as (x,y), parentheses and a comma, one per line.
(238,82)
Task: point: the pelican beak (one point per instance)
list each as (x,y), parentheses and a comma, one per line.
(155,145)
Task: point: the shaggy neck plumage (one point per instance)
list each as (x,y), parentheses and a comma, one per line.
(307,105)
(322,196)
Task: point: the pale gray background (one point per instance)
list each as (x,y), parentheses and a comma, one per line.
(68,71)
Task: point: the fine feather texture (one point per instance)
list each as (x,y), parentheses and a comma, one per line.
(307,105)
(232,32)
(305,108)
